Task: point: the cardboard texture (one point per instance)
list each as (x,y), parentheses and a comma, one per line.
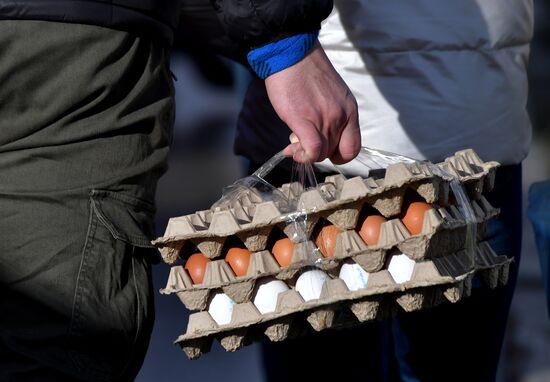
(403,272)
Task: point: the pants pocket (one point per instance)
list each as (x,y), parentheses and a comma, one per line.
(113,311)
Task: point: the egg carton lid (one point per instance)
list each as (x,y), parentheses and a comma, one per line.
(250,211)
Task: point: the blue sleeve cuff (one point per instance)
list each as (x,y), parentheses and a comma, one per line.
(279,55)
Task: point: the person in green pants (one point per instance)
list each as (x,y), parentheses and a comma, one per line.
(86,114)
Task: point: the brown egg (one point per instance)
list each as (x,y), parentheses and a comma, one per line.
(413,217)
(238,259)
(196,266)
(283,250)
(370,229)
(326,240)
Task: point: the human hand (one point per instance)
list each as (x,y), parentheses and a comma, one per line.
(316,104)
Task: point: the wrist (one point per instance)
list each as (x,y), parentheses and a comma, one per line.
(279,55)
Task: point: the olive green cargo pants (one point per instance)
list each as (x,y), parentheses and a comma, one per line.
(85,125)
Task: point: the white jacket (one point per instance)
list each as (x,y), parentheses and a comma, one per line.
(432,77)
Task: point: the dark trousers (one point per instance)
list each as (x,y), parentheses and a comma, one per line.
(538,210)
(450,342)
(85,125)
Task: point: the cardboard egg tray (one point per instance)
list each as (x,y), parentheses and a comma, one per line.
(251,217)
(443,268)
(432,282)
(444,232)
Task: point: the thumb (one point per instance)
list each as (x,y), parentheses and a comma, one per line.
(313,145)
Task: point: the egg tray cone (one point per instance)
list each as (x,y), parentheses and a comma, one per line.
(338,200)
(477,176)
(444,231)
(433,282)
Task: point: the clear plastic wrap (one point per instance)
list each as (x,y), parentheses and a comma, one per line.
(368,163)
(407,266)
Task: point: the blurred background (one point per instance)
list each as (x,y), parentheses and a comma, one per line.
(209,91)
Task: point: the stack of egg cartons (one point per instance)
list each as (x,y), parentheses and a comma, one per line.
(250,268)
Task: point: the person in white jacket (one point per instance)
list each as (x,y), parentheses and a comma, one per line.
(430,78)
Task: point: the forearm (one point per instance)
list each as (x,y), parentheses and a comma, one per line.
(303,87)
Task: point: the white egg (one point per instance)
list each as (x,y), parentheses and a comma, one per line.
(310,284)
(354,276)
(221,308)
(267,291)
(401,268)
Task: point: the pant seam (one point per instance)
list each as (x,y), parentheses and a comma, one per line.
(79,291)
